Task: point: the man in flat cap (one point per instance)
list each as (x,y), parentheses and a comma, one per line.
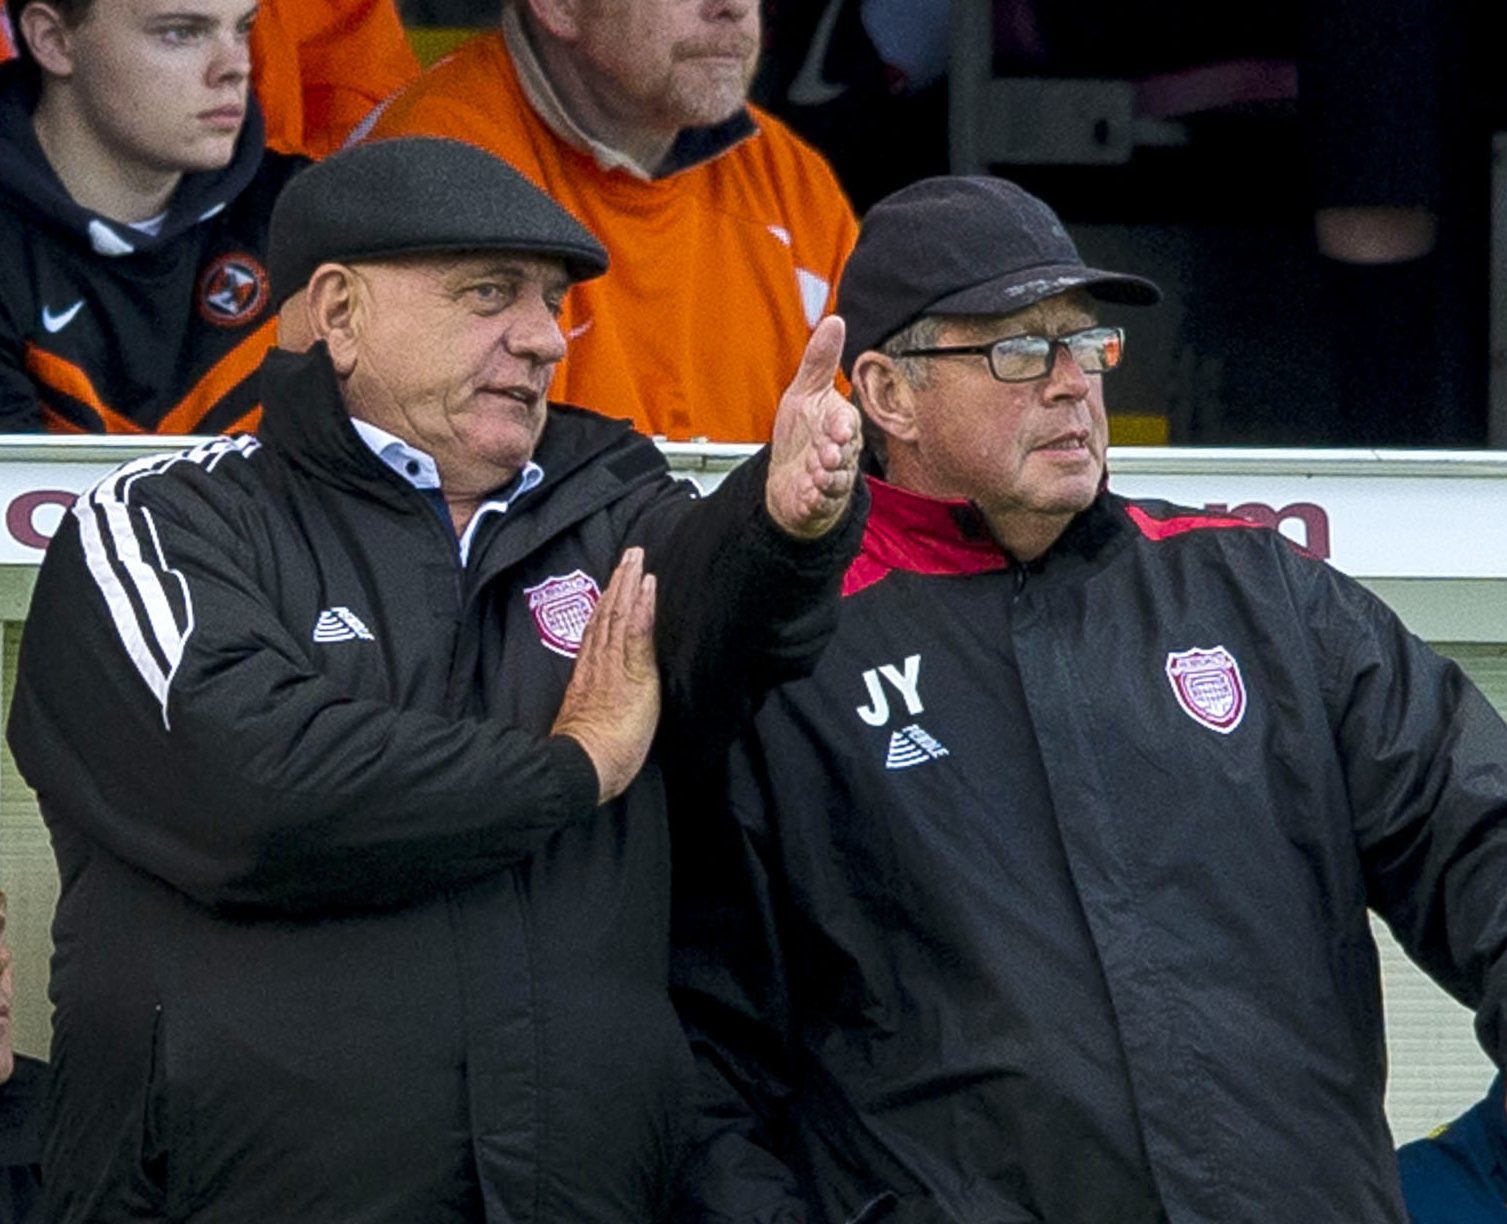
(1045,896)
(341,734)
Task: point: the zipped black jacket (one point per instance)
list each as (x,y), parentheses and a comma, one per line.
(1045,897)
(106,329)
(343,935)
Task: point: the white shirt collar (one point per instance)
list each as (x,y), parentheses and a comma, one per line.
(417,468)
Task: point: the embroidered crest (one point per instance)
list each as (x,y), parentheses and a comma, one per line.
(561,606)
(1208,686)
(233,290)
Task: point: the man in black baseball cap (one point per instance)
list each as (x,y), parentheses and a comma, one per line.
(973,336)
(368,883)
(1044,896)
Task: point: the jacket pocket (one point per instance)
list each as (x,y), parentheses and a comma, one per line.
(162,1154)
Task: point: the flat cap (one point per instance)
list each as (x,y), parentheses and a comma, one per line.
(412,195)
(962,245)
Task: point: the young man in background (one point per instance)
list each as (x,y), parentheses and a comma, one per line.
(135,193)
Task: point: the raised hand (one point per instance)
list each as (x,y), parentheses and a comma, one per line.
(814,455)
(611,705)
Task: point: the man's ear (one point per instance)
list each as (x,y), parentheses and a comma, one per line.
(48,37)
(560,19)
(336,308)
(885,395)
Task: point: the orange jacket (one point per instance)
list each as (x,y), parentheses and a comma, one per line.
(319,67)
(719,271)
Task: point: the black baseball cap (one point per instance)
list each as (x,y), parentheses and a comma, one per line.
(414,195)
(963,245)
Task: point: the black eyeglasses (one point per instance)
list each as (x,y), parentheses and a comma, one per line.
(1023,358)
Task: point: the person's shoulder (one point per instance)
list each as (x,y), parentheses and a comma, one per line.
(473,83)
(578,443)
(780,179)
(484,54)
(198,485)
(788,155)
(1476,1130)
(1176,534)
(576,431)
(1159,521)
(1449,1176)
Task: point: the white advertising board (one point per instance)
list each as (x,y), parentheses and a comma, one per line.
(1397,514)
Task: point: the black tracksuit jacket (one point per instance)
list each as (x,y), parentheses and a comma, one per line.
(343,935)
(1027,912)
(105,329)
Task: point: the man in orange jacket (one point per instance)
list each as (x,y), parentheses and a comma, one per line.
(727,232)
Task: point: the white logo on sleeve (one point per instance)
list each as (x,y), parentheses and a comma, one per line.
(55,323)
(340,624)
(1208,686)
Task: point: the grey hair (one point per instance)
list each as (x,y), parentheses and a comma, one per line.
(920,333)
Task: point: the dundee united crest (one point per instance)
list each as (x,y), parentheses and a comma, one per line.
(233,290)
(561,608)
(1208,686)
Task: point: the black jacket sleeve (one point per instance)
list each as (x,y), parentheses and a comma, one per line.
(742,607)
(163,710)
(1425,759)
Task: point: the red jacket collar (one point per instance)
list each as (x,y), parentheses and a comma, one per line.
(922,535)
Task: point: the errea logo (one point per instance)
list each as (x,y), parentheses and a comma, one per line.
(340,624)
(912,746)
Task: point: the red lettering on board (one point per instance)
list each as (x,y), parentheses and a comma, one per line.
(20,515)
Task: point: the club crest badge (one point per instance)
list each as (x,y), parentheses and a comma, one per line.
(233,290)
(1208,686)
(561,608)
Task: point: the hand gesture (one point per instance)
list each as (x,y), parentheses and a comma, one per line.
(611,705)
(813,459)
